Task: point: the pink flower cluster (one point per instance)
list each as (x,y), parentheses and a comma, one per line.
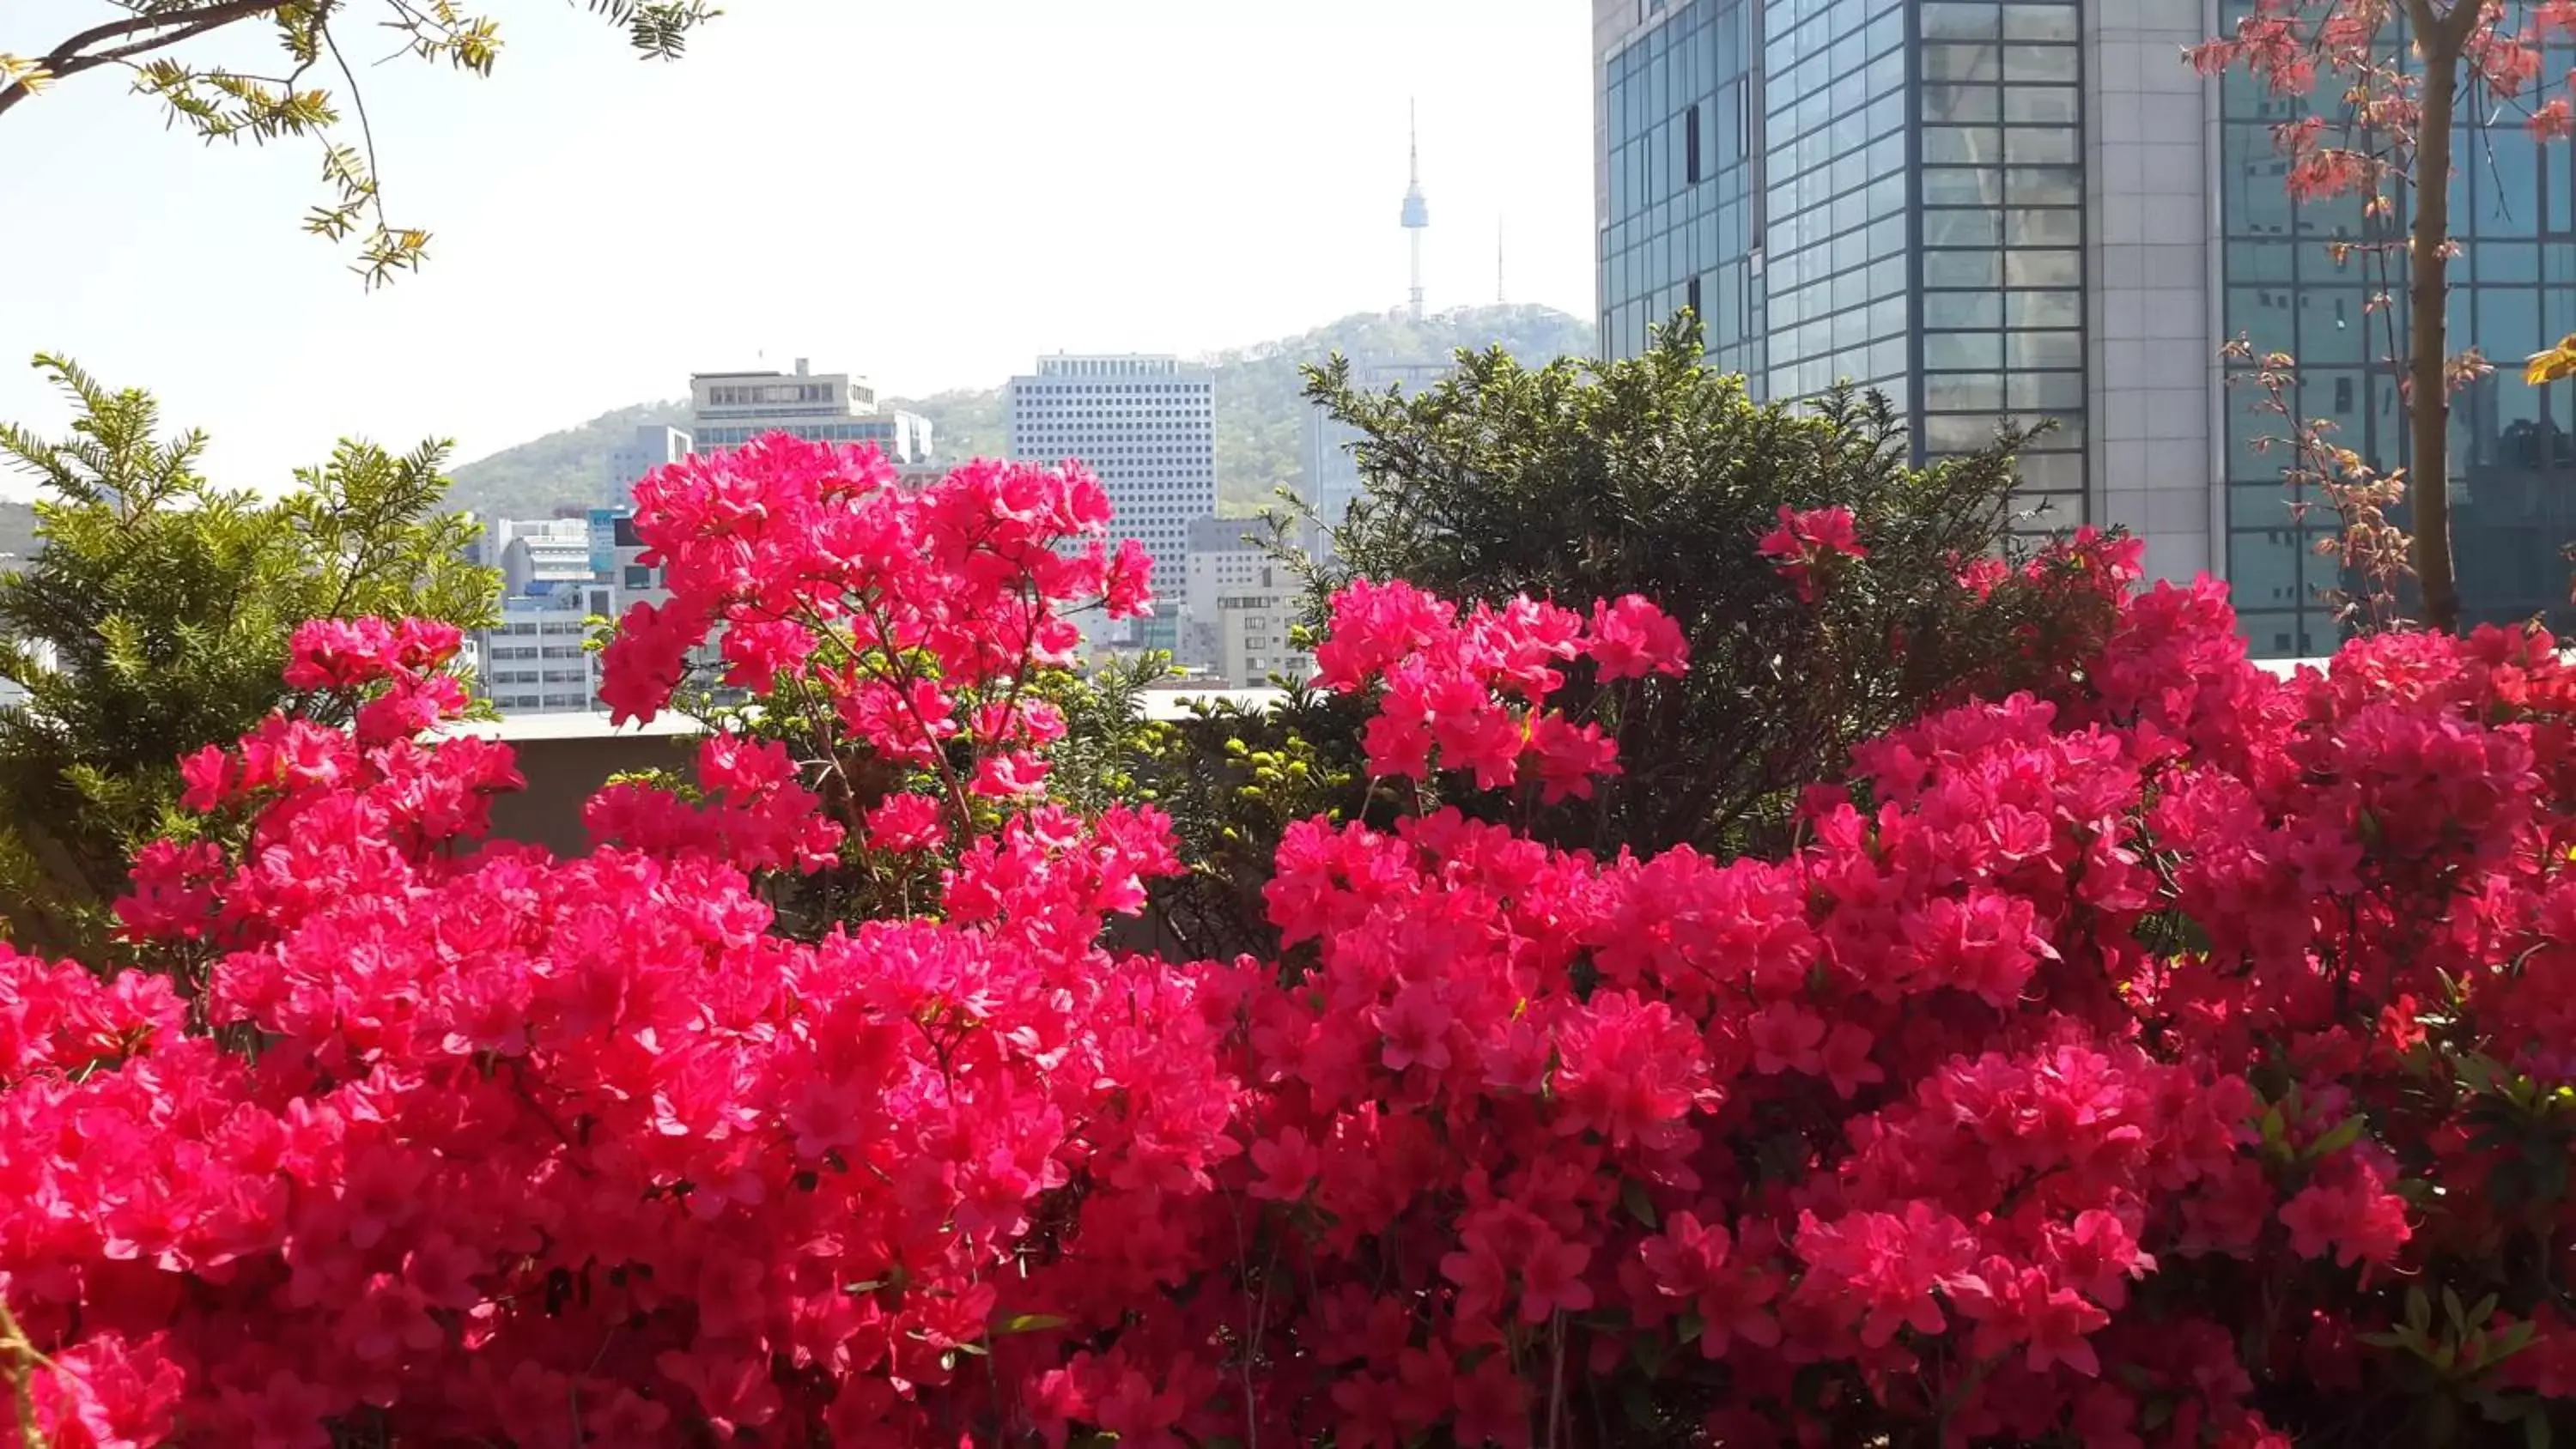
(2140,1061)
(1473,686)
(1805,547)
(917,613)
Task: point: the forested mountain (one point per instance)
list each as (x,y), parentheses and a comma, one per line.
(1259,410)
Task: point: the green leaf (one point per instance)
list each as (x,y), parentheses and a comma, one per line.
(2535,1426)
(1029,1323)
(1650,1352)
(2342,1135)
(2510,1342)
(1633,1196)
(2273,1126)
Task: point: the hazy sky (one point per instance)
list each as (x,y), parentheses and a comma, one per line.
(929,192)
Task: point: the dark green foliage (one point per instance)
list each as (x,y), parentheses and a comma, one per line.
(155,619)
(1658,476)
(1234,778)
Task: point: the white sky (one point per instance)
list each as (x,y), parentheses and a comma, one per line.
(928,192)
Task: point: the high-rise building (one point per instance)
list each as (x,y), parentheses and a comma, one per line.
(728,409)
(535,659)
(650,447)
(2032,210)
(1240,604)
(1888,192)
(1329,472)
(1146,426)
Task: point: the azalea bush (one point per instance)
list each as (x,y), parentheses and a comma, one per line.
(1658,475)
(2162,1054)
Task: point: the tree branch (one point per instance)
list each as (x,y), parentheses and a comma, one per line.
(74,56)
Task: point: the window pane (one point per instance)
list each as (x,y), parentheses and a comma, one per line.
(1961,62)
(2045,185)
(2037,391)
(2050,228)
(1963,350)
(1958,186)
(1958,433)
(1962,228)
(1951,310)
(2051,63)
(1967,145)
(2045,309)
(2043,105)
(2028,144)
(2043,349)
(2043,269)
(1963,269)
(1955,103)
(1962,392)
(2039,22)
(1956,21)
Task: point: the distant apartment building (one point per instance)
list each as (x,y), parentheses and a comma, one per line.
(1146,426)
(555,552)
(534,660)
(1329,471)
(1238,606)
(1223,559)
(614,551)
(729,409)
(643,451)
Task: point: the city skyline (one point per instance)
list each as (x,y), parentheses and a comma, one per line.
(604,226)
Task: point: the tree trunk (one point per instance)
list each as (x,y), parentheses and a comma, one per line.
(2428,407)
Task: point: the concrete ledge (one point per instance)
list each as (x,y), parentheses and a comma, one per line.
(568,757)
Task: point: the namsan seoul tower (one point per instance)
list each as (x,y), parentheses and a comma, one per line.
(1417,212)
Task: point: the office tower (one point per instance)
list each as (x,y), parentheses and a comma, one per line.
(650,447)
(728,409)
(1146,426)
(2032,209)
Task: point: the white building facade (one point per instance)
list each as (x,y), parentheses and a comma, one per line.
(1146,426)
(729,409)
(647,449)
(536,659)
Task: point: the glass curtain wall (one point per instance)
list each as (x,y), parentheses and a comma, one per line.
(2001,109)
(2512,447)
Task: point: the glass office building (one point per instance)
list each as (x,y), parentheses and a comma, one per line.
(1879,191)
(2034,209)
(2512,453)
